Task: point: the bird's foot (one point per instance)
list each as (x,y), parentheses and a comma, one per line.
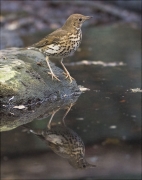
(67,74)
(53,76)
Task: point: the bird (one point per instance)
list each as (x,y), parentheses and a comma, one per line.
(62,42)
(64,142)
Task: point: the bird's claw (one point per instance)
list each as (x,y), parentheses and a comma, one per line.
(68,76)
(54,76)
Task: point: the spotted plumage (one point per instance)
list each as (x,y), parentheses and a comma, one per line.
(66,143)
(63,42)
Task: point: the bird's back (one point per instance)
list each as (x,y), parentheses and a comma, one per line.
(59,43)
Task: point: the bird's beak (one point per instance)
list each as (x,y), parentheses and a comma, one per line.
(88,17)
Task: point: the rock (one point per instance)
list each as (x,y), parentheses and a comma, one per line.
(24,79)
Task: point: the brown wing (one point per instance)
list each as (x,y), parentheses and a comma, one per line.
(52,38)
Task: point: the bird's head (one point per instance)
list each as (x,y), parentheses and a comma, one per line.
(75,21)
(80,163)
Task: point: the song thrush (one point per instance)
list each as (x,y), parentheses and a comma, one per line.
(63,42)
(64,142)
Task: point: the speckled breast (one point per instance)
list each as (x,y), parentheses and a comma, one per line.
(66,47)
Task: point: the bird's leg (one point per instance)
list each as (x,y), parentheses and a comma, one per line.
(49,123)
(66,72)
(51,72)
(68,109)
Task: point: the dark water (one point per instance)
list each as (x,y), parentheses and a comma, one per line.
(107,118)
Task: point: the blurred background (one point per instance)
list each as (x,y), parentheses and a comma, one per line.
(24,18)
(108,62)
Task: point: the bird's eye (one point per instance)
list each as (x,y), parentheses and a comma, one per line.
(80,19)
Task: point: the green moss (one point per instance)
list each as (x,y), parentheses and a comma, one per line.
(6,73)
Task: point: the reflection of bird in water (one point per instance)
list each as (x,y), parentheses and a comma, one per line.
(64,142)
